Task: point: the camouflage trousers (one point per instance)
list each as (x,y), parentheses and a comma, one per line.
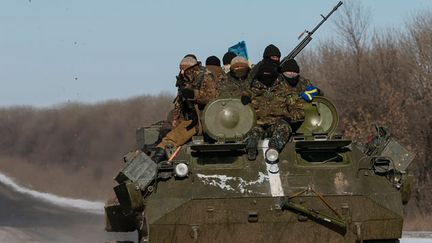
(279,133)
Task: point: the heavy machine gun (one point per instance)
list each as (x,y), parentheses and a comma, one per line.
(308,37)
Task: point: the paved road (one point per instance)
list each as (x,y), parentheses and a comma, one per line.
(416,237)
(30,216)
(26,219)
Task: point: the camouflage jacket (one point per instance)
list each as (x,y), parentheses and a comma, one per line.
(254,70)
(217,71)
(233,87)
(275,102)
(301,85)
(205,89)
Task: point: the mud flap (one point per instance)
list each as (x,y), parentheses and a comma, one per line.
(129,196)
(116,220)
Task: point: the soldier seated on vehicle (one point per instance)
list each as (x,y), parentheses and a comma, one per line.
(196,87)
(213,65)
(275,105)
(271,55)
(236,84)
(291,75)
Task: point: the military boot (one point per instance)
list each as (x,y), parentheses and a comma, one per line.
(276,143)
(159,155)
(281,134)
(252,148)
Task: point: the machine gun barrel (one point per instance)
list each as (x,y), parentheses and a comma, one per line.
(308,38)
(340,224)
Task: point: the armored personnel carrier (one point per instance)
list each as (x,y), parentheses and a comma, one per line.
(320,188)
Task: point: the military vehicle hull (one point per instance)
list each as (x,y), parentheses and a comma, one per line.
(319,188)
(244,202)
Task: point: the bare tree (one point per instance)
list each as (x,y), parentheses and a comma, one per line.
(352,27)
(417,48)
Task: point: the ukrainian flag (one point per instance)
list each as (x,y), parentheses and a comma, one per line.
(239,49)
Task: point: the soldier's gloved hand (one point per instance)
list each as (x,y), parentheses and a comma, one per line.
(187,93)
(309,93)
(245,100)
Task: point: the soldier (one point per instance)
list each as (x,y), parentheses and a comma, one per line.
(275,106)
(236,84)
(271,55)
(195,89)
(213,65)
(226,59)
(291,75)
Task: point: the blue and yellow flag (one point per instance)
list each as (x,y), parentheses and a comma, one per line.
(239,49)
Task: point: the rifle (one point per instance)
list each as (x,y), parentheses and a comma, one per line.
(308,38)
(188,109)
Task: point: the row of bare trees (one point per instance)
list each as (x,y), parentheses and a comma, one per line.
(381,77)
(77,134)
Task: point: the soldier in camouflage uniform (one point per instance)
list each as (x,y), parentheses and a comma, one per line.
(196,87)
(291,75)
(213,65)
(275,104)
(271,55)
(236,83)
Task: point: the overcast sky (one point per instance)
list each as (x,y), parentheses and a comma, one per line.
(55,51)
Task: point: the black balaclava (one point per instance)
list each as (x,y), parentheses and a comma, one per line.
(271,50)
(290,66)
(267,73)
(292,81)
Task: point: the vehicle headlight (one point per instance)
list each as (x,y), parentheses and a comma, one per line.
(273,168)
(271,155)
(181,170)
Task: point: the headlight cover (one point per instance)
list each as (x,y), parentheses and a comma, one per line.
(271,155)
(181,170)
